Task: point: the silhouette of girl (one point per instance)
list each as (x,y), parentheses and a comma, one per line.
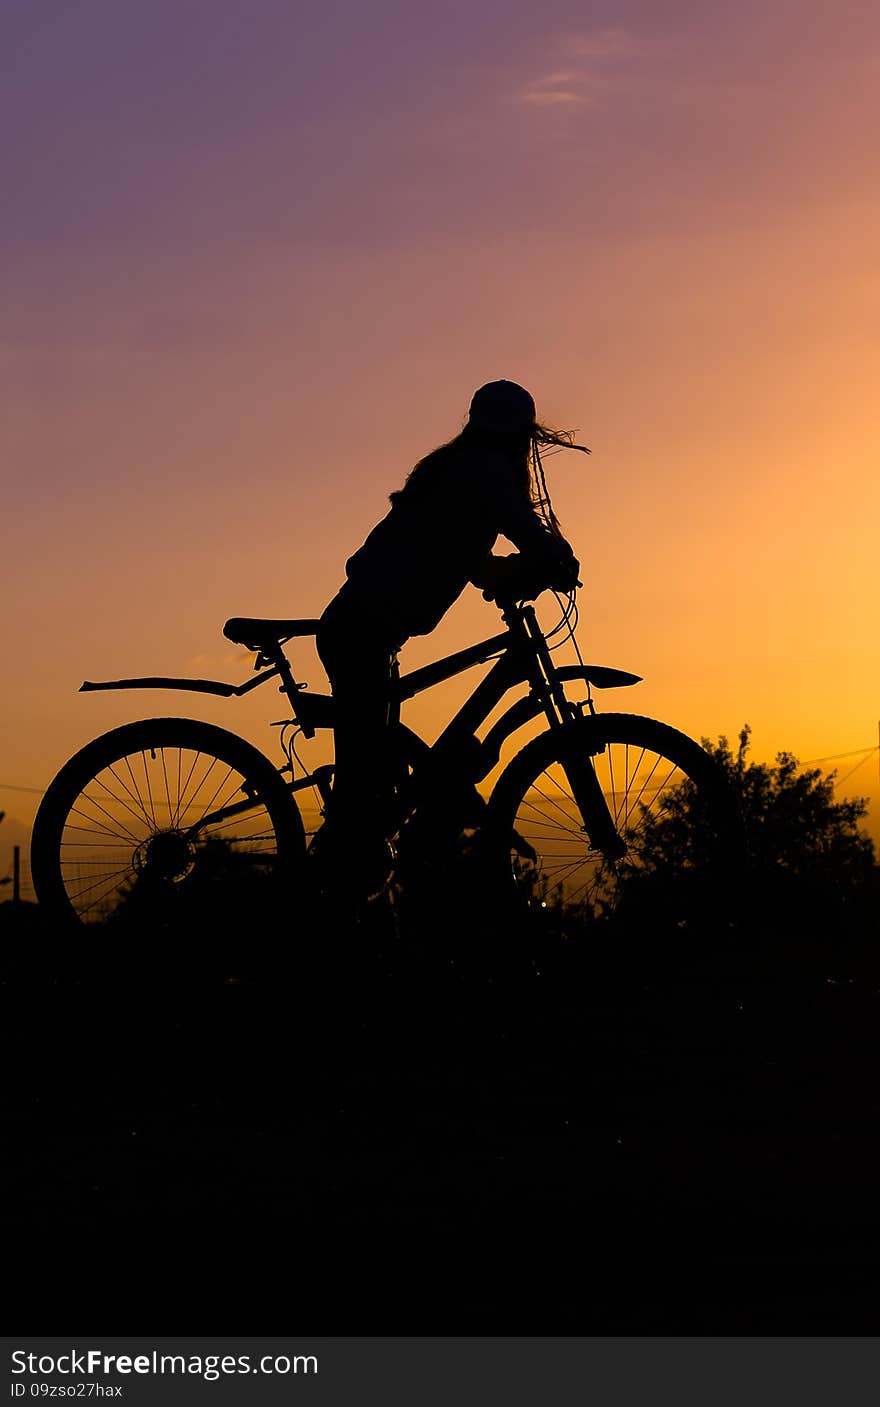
(437,537)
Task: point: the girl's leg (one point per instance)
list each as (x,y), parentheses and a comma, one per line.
(358,659)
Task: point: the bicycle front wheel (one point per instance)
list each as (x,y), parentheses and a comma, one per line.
(669,803)
(164,819)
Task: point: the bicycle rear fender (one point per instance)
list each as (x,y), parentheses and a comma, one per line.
(197,686)
(530,707)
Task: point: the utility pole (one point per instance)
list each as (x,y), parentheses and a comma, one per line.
(16,874)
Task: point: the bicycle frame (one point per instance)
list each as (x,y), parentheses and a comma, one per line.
(521,656)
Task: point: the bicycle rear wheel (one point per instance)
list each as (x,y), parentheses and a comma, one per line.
(670,805)
(162,820)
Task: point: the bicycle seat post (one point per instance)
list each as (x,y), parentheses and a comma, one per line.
(273,654)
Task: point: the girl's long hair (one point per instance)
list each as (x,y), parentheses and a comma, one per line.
(522,450)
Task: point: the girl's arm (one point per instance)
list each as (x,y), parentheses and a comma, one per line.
(544,558)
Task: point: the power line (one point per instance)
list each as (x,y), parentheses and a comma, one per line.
(841,780)
(836,756)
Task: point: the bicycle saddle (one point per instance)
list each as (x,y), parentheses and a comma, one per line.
(256,634)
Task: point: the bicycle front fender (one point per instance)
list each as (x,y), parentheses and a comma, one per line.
(525,709)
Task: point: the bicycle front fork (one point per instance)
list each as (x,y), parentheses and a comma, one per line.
(598,822)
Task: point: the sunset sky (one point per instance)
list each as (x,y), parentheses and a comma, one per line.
(257,257)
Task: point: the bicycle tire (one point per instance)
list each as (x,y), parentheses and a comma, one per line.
(668,856)
(100,850)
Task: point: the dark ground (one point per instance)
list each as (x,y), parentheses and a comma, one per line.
(449,1141)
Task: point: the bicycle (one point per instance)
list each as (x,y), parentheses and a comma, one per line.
(173,815)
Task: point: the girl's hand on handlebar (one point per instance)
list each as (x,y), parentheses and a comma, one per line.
(516,579)
(565,576)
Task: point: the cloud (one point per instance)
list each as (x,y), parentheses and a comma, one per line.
(554,89)
(205,666)
(601,45)
(593,60)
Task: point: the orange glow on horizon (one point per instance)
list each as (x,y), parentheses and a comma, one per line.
(204,417)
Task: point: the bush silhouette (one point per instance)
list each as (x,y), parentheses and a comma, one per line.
(808,861)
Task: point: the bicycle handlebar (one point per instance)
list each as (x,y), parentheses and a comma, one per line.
(505,599)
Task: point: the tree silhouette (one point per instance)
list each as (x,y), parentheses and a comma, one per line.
(807,859)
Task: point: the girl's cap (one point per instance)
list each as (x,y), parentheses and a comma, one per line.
(502,405)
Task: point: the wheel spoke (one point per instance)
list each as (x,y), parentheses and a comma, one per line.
(137,790)
(104,879)
(561,872)
(206,809)
(140,813)
(635,803)
(182,793)
(119,802)
(614,810)
(167,791)
(555,804)
(149,788)
(549,819)
(236,820)
(554,826)
(90,844)
(123,834)
(192,801)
